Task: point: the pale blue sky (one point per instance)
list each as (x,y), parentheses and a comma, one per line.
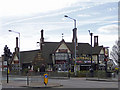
(30,16)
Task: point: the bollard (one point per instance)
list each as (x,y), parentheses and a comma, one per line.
(27,79)
(45,79)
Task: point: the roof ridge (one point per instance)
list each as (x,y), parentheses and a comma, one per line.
(30,50)
(65,42)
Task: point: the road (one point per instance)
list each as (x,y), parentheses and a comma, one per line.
(68,83)
(83,83)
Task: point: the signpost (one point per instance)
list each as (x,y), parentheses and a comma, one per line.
(7,56)
(45,79)
(106,53)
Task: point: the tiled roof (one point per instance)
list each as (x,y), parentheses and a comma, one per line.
(84,48)
(48,49)
(97,49)
(28,56)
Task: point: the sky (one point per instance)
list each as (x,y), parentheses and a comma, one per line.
(29,17)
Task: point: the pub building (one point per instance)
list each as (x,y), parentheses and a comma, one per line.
(59,56)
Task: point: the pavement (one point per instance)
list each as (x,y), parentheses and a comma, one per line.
(22,84)
(101,79)
(51,84)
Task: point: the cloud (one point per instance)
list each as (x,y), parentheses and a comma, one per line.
(108,28)
(99,21)
(26,7)
(112,9)
(51,14)
(83,15)
(47,15)
(28,17)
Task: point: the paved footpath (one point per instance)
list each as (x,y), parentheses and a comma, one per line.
(62,83)
(23,84)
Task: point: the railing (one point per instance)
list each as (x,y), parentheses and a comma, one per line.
(102,76)
(32,78)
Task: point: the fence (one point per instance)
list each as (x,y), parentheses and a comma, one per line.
(101,76)
(33,78)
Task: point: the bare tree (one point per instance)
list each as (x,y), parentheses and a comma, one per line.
(119,51)
(114,52)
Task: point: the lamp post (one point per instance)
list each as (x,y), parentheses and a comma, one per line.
(72,19)
(19,46)
(91,34)
(74,38)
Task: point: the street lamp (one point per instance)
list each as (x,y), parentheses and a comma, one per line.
(91,34)
(72,19)
(74,38)
(19,46)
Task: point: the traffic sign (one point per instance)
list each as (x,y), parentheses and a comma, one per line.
(46,76)
(45,79)
(8,71)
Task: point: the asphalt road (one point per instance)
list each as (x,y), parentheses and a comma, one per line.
(83,83)
(71,83)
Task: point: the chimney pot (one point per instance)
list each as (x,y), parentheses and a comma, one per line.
(16,42)
(74,33)
(95,41)
(42,39)
(16,48)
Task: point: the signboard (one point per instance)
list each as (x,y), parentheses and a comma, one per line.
(63,50)
(5,63)
(83,60)
(8,71)
(106,53)
(45,79)
(60,61)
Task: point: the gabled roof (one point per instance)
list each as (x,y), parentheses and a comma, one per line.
(49,48)
(83,48)
(63,41)
(97,49)
(28,56)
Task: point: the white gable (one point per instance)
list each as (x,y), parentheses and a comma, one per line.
(102,51)
(15,58)
(63,46)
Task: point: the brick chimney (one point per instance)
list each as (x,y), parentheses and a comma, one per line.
(95,41)
(16,48)
(73,41)
(41,39)
(74,33)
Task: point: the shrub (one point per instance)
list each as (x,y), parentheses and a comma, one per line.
(25,70)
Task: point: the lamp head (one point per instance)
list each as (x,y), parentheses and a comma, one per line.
(89,31)
(10,30)
(65,16)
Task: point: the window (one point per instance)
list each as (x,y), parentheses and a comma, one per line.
(62,56)
(101,57)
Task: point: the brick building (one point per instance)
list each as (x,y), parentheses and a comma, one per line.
(59,56)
